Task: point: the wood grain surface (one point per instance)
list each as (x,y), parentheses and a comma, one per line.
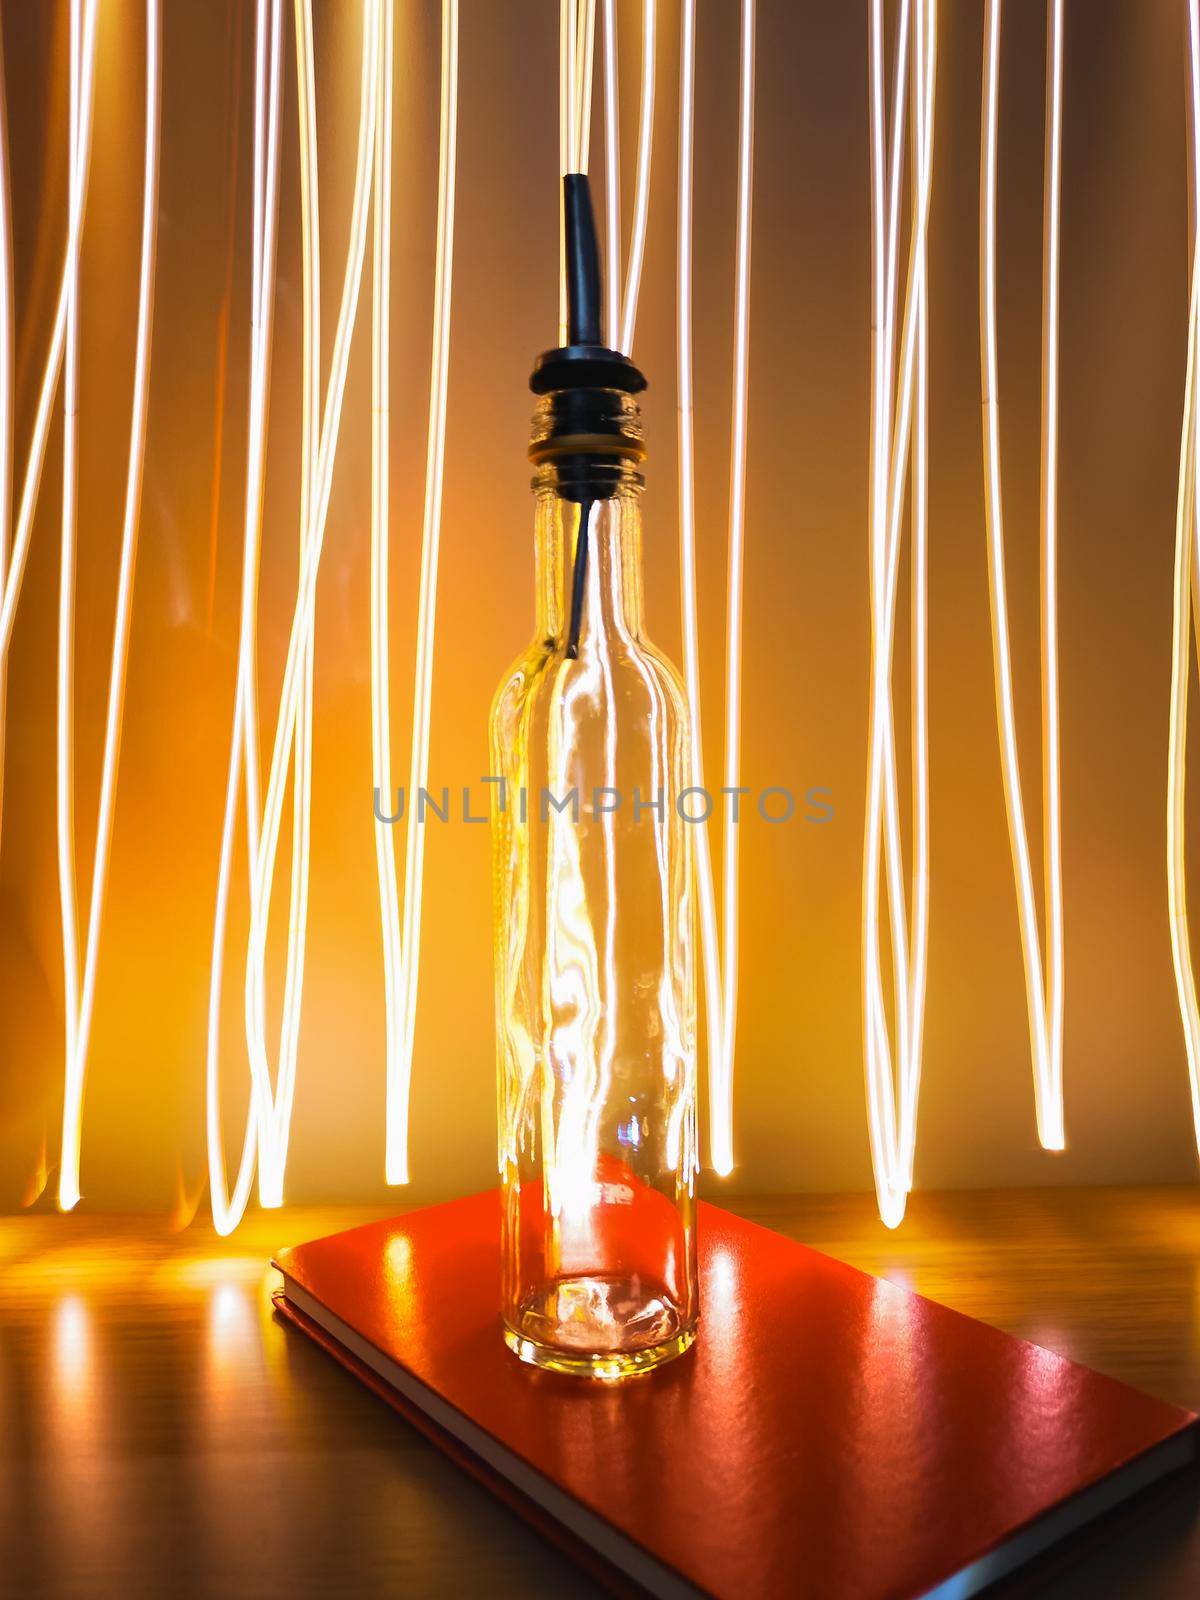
(162,1434)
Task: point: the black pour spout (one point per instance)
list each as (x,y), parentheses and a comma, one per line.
(584,362)
(588,436)
(583,262)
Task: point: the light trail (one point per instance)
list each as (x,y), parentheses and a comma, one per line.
(1187,574)
(709,945)
(271,1171)
(1043,986)
(81,1005)
(641,201)
(576,55)
(402,1004)
(79,169)
(612,177)
(235,23)
(228,1207)
(1051,742)
(63,346)
(566,123)
(68,1194)
(923,84)
(719,955)
(6,384)
(273,1106)
(268,1121)
(381,706)
(585,48)
(882,804)
(898,440)
(721,1091)
(891,813)
(622,311)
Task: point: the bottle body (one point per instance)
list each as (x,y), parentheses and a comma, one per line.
(594,952)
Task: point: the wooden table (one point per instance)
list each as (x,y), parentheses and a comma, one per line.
(163,1434)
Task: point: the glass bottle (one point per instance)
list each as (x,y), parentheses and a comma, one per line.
(594,939)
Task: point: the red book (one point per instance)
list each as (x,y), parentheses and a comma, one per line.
(830,1434)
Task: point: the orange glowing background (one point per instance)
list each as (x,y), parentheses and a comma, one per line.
(799,1087)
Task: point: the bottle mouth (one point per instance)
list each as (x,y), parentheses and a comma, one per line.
(587,440)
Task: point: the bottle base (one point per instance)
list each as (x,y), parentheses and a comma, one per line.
(597,1326)
(609,1367)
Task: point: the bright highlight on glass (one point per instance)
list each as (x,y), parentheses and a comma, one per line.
(1043,985)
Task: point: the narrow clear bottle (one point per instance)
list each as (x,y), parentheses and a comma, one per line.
(594,939)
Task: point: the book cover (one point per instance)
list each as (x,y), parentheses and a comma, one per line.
(831,1434)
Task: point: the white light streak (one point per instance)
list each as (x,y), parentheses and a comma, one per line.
(401,969)
(923,86)
(1052,778)
(82,33)
(612,177)
(273,1107)
(566,123)
(895,436)
(899,447)
(271,1172)
(1043,986)
(269,1117)
(79,169)
(228,1207)
(719,962)
(1187,574)
(6,383)
(576,55)
(81,1002)
(64,726)
(721,1091)
(585,47)
(709,946)
(622,311)
(641,201)
(381,706)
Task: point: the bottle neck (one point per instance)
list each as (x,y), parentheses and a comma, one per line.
(577,601)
